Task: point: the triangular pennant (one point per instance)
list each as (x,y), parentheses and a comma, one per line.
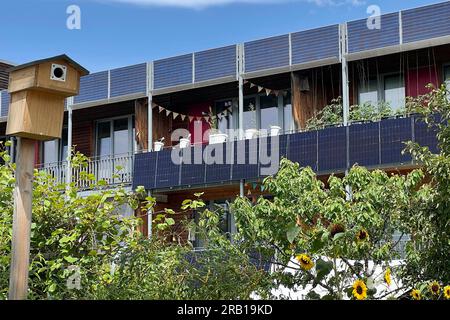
(206,119)
(154,105)
(260,89)
(191,118)
(285,93)
(268,91)
(276,92)
(183,116)
(175,115)
(252,85)
(198,118)
(168,112)
(230,109)
(245,81)
(160,109)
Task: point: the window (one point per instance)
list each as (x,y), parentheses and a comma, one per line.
(391,90)
(268,112)
(447,76)
(115,137)
(54,151)
(288,118)
(368,92)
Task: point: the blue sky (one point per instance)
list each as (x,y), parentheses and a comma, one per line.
(116,33)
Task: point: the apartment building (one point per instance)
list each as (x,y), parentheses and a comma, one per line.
(272,86)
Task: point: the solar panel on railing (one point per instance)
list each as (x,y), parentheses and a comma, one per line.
(267,53)
(425,135)
(215,63)
(129,80)
(364,144)
(4,103)
(307,48)
(193,166)
(219,158)
(167,170)
(394,133)
(426,22)
(93,87)
(245,160)
(144,170)
(302,148)
(332,147)
(172,72)
(362,38)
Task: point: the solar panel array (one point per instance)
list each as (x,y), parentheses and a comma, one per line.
(325,151)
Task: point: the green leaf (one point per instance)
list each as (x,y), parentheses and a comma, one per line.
(70,259)
(292,232)
(170,221)
(323,268)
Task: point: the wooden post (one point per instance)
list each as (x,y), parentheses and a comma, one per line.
(23,193)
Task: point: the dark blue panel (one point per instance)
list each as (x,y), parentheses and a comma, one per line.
(172,71)
(361,38)
(193,166)
(93,87)
(129,80)
(303,149)
(332,149)
(219,171)
(267,53)
(425,136)
(245,160)
(426,22)
(364,145)
(4,103)
(307,48)
(167,171)
(144,170)
(215,63)
(394,132)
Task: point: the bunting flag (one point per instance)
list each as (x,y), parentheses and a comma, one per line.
(183,116)
(160,109)
(268,91)
(206,117)
(190,118)
(175,115)
(198,118)
(154,105)
(276,92)
(252,85)
(260,89)
(168,112)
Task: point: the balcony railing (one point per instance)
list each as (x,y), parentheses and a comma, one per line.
(113,170)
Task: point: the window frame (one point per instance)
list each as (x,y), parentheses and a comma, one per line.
(381,85)
(131,133)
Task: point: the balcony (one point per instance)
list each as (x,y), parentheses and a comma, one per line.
(113,170)
(330,150)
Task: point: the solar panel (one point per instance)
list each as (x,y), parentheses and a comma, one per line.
(394,132)
(245,158)
(193,166)
(144,170)
(302,148)
(332,144)
(364,144)
(216,169)
(167,171)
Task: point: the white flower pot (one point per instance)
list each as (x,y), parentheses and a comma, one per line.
(158,146)
(184,143)
(275,130)
(218,138)
(251,133)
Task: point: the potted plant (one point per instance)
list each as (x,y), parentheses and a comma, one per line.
(275,130)
(215,136)
(185,142)
(158,145)
(252,132)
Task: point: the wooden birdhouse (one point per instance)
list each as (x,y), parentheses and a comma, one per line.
(38,90)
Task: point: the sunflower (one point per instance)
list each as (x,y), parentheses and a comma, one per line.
(447,292)
(362,235)
(415,294)
(435,288)
(387,276)
(359,290)
(305,261)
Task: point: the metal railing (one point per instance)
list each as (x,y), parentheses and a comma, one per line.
(113,170)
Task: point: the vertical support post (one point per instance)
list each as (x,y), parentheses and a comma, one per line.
(150,122)
(345,81)
(20,251)
(241,188)
(69,140)
(241,91)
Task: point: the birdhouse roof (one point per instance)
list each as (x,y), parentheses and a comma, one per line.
(64,57)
